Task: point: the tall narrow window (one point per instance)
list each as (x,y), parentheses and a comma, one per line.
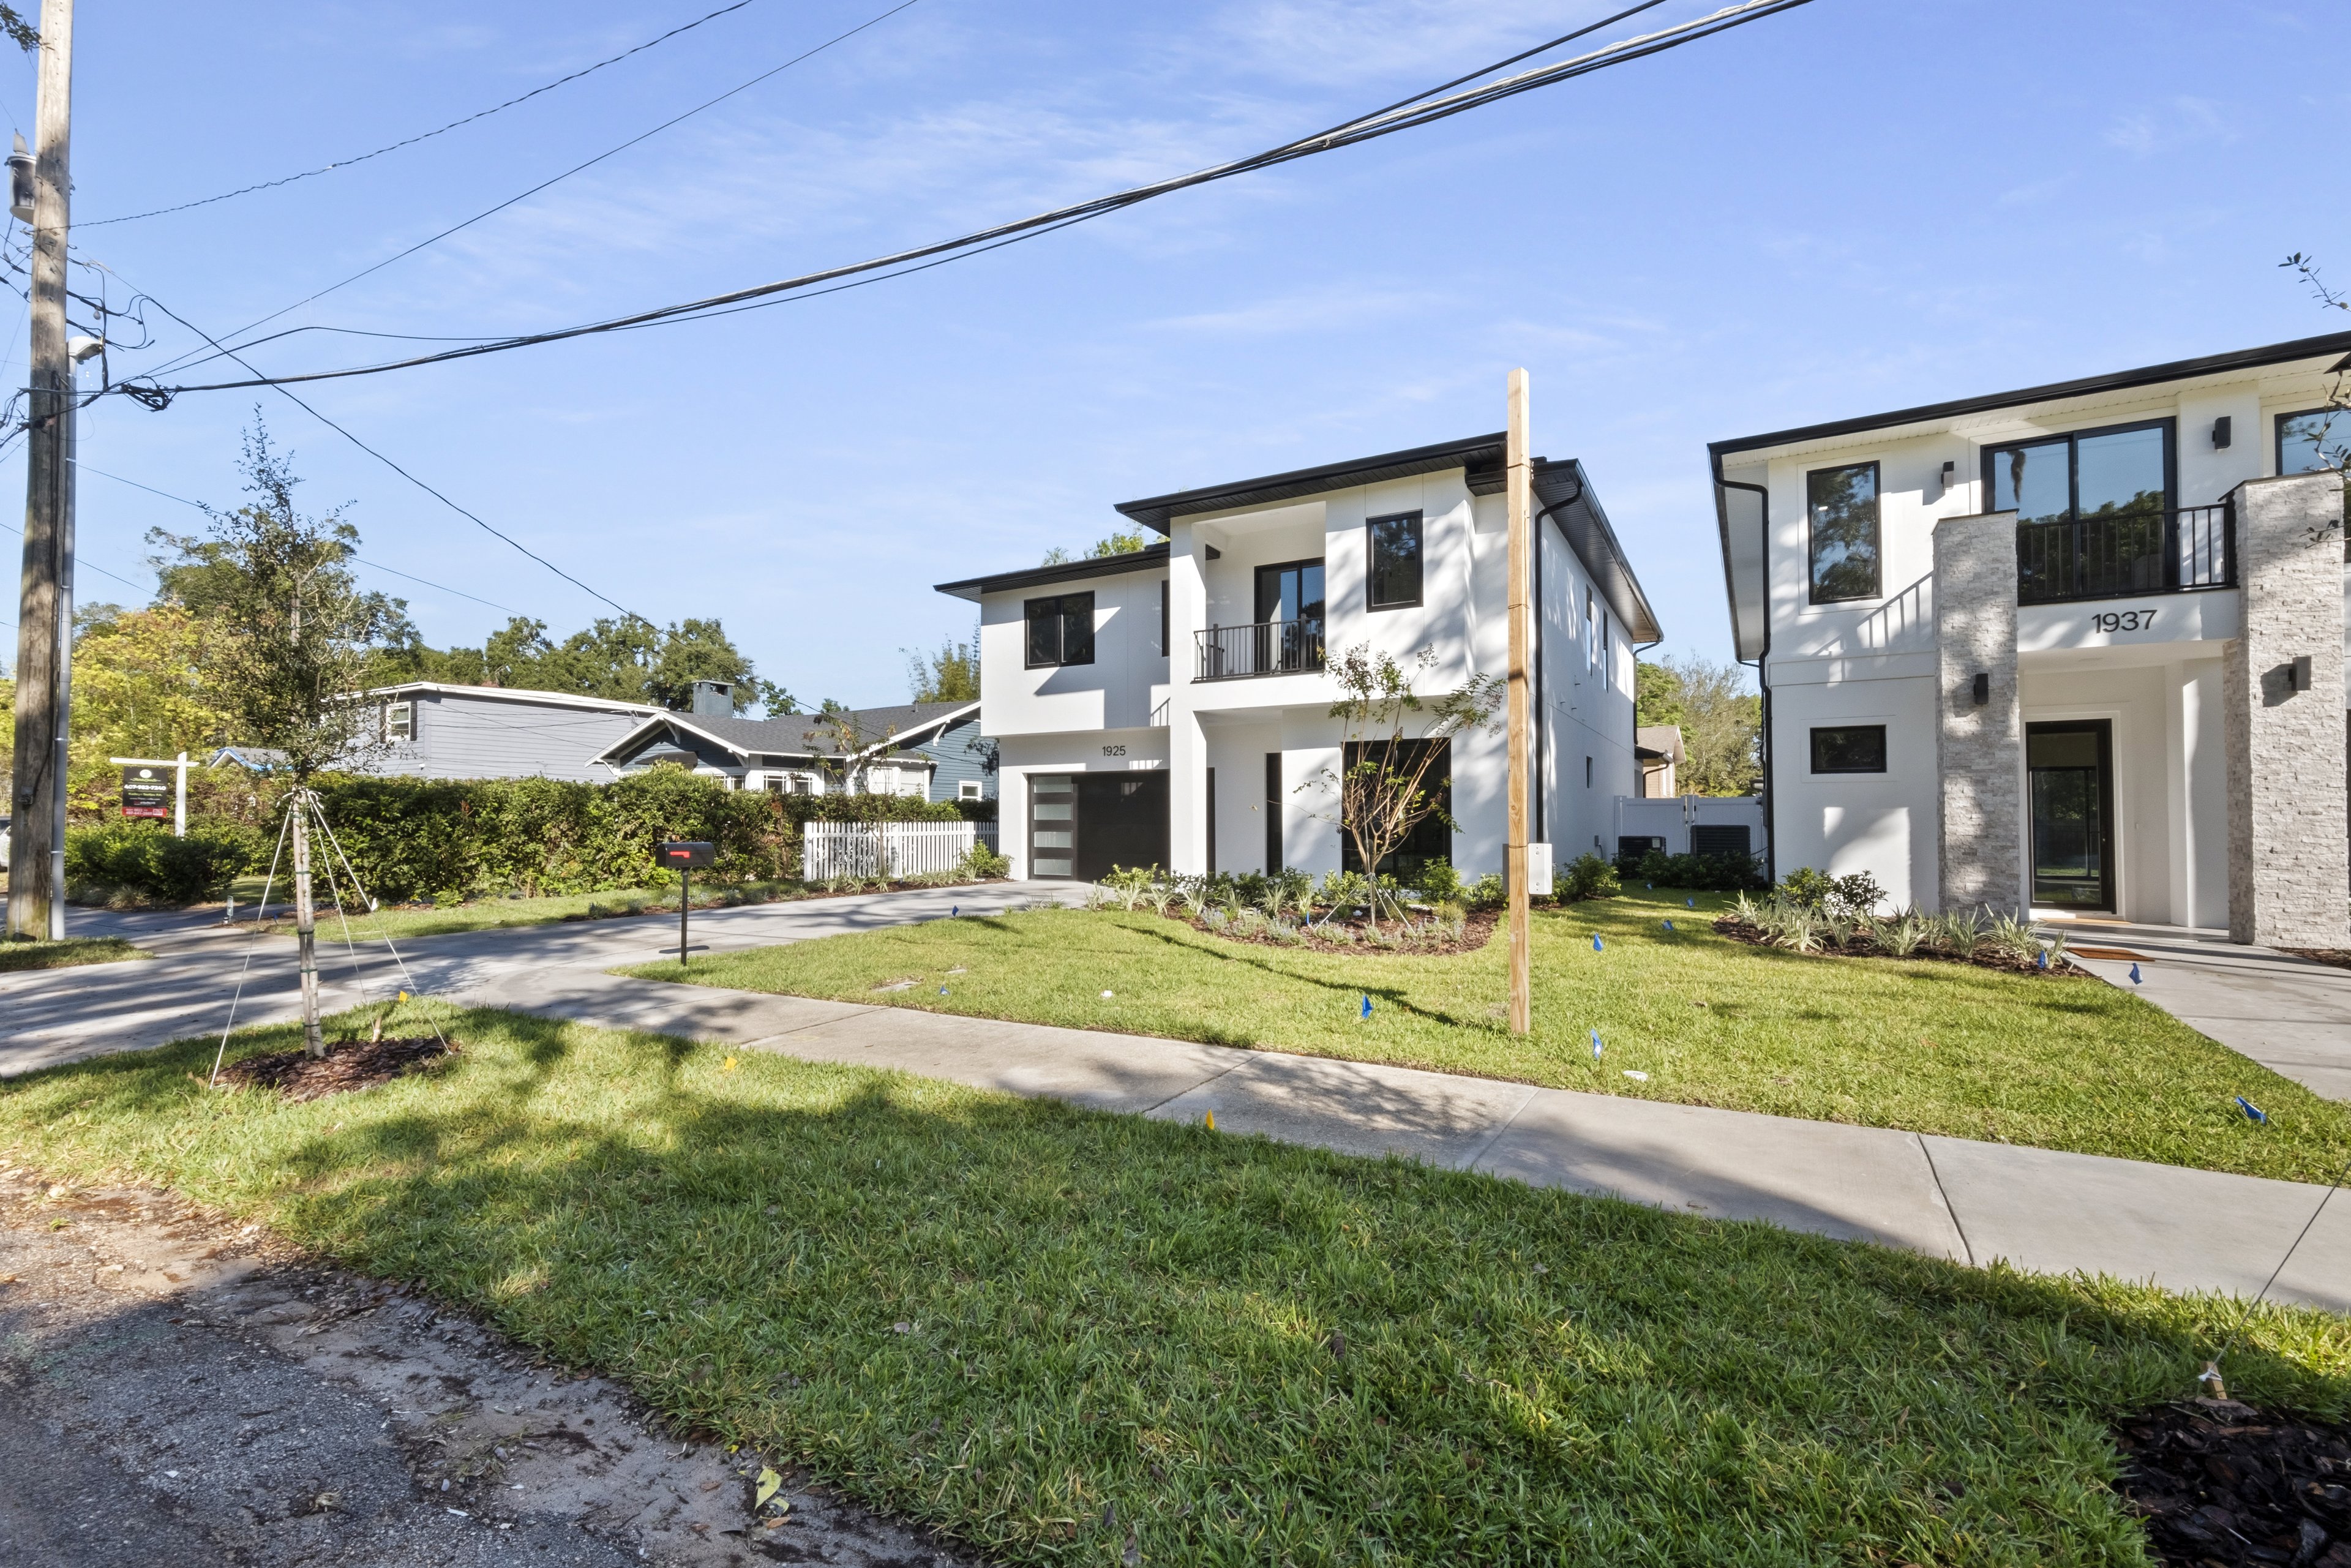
(1591,632)
(1843,506)
(1272,813)
(1394,573)
(1060,630)
(399,721)
(1162,618)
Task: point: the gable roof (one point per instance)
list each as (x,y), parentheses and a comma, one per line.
(802,734)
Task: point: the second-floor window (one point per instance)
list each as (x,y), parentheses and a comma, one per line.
(1291,592)
(1060,630)
(1844,556)
(1394,574)
(2308,442)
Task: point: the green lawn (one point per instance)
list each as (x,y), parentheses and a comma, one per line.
(483,915)
(1039,1328)
(2063,1063)
(66,954)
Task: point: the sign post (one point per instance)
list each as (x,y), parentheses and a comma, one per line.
(683,855)
(145,791)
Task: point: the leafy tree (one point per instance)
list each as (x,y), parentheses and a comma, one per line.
(1122,541)
(625,658)
(141,688)
(1381,789)
(948,676)
(1720,720)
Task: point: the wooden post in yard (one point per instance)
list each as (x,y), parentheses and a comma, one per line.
(35,896)
(1519,484)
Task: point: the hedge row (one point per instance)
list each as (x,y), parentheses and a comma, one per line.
(413,838)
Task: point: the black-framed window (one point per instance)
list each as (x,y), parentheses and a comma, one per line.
(2115,471)
(1394,574)
(1291,591)
(2313,441)
(1842,505)
(1162,618)
(1849,748)
(1060,630)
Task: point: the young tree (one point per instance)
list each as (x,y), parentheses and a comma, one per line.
(295,641)
(1720,720)
(1381,788)
(949,675)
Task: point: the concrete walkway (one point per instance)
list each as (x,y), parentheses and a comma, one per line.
(2291,1015)
(2040,1209)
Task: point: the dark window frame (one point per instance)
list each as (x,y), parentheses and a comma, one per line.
(1812,594)
(1812,749)
(1060,603)
(1162,618)
(2277,436)
(1419,520)
(2073,439)
(1257,588)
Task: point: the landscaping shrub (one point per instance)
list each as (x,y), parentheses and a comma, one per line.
(1700,873)
(144,858)
(1848,897)
(1589,877)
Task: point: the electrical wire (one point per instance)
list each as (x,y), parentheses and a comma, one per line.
(373,565)
(424,136)
(1422,109)
(575,169)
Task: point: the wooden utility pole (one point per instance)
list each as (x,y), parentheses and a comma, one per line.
(36,893)
(1519,485)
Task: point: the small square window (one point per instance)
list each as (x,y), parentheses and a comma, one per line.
(1850,749)
(968,790)
(1844,507)
(1060,630)
(1394,574)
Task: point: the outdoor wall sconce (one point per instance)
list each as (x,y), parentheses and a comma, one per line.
(1983,689)
(1951,473)
(2297,675)
(1216,554)
(2221,434)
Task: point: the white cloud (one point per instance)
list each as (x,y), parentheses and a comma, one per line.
(1313,310)
(2179,122)
(1344,42)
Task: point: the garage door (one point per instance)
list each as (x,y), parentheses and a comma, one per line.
(1082,825)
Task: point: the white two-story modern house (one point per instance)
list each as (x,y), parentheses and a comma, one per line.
(1170,707)
(2077,648)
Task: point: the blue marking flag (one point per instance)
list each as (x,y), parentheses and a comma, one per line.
(1691,901)
(1596,942)
(2044,959)
(954,910)
(1650,885)
(1669,925)
(1595,1045)
(2134,973)
(943,990)
(2252,1112)
(1367,1004)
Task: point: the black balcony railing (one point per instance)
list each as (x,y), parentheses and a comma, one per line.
(1267,648)
(2113,555)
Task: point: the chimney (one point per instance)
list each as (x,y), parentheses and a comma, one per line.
(713,699)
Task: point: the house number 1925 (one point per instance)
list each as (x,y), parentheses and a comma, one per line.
(1113,751)
(2123,621)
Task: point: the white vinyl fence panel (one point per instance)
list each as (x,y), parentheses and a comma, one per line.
(888,849)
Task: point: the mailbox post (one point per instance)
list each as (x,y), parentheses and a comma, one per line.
(682,855)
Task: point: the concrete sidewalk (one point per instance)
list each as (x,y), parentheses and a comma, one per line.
(2291,1014)
(2038,1208)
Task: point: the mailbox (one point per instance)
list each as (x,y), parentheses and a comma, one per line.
(688,855)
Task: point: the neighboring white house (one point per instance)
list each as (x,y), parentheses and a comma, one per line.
(1113,752)
(927,750)
(2077,648)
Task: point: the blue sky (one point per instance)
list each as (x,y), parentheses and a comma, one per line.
(1854,206)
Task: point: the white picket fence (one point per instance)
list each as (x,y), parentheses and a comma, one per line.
(888,849)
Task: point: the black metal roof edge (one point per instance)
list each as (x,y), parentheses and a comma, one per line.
(2116,380)
(1622,584)
(1066,571)
(1157,511)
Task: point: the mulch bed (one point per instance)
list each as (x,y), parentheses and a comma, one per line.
(2337,956)
(1985,957)
(354,1065)
(1475,932)
(2221,1484)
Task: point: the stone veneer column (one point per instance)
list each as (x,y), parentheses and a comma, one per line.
(2289,851)
(1979,750)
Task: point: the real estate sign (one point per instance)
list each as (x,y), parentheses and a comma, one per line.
(146,792)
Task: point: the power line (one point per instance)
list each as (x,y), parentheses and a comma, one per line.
(371,565)
(517,545)
(1387,122)
(424,136)
(543,184)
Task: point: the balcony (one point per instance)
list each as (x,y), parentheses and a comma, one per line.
(2125,553)
(1267,648)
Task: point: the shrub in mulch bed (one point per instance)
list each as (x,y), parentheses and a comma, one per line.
(1475,929)
(2223,1484)
(1985,957)
(354,1065)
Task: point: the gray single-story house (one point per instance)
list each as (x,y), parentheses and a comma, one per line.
(434,730)
(932,751)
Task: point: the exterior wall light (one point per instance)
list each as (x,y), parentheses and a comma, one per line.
(2221,434)
(2297,675)
(1983,689)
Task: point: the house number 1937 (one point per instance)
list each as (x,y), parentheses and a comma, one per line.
(2123,621)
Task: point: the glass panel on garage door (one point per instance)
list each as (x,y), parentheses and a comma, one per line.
(1121,820)
(1052,824)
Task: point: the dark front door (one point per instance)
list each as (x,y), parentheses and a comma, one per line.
(1122,822)
(2070,767)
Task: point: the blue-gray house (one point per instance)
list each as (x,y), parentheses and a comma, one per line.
(434,730)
